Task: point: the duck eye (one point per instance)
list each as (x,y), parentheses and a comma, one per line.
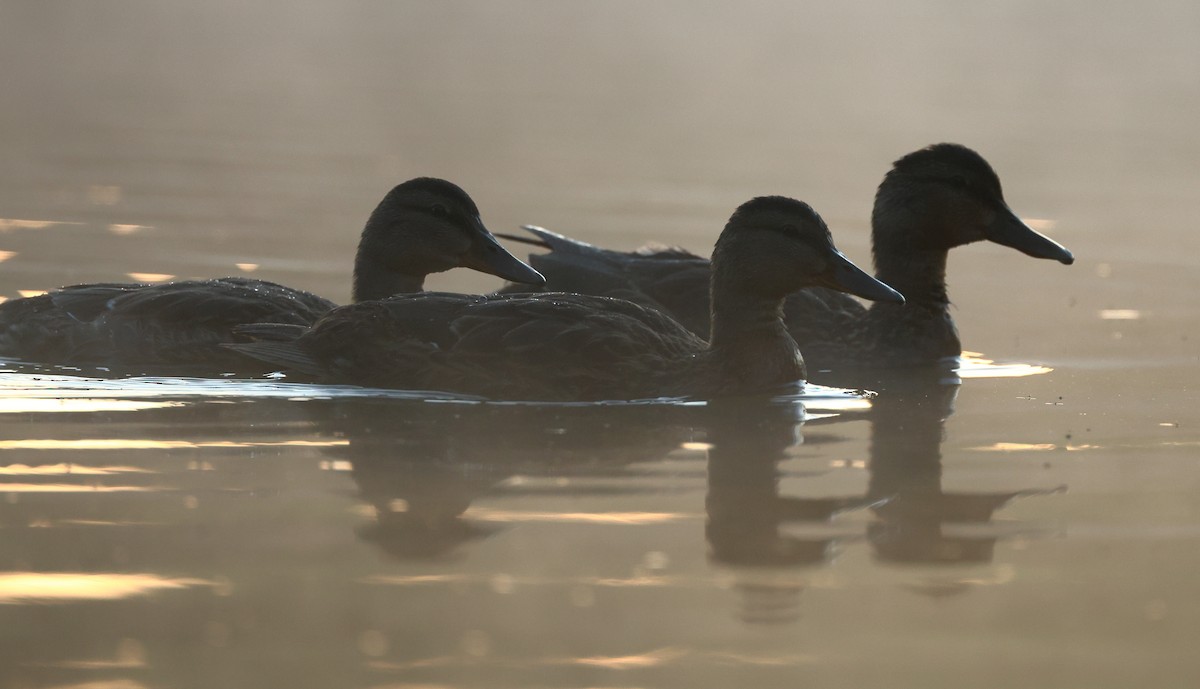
(440,211)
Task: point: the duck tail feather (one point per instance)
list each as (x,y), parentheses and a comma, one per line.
(562,243)
(283,354)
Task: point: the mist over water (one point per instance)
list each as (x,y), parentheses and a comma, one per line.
(1038,524)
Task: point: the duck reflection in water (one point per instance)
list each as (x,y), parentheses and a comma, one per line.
(746,514)
(751,525)
(918,521)
(421,466)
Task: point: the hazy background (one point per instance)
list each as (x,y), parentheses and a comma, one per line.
(267,133)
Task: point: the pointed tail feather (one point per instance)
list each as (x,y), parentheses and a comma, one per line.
(286,355)
(555,241)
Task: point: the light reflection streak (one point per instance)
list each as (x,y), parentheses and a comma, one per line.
(64,587)
(744,659)
(5,255)
(604,582)
(247,267)
(619,518)
(64,468)
(339,465)
(1120,314)
(822,397)
(9,224)
(51,524)
(655,658)
(766,578)
(77,405)
(660,657)
(150,277)
(1046,447)
(973,365)
(31,292)
(145,444)
(93,665)
(75,488)
(513,516)
(1031,447)
(52,386)
(102,684)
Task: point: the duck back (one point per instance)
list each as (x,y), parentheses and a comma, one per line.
(550,346)
(134,324)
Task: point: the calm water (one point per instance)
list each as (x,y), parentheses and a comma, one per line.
(1037,525)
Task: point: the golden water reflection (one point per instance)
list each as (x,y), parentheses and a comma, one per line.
(1030,447)
(67,587)
(9,405)
(147,444)
(75,488)
(150,277)
(974,365)
(102,684)
(9,224)
(659,657)
(1121,314)
(612,518)
(72,469)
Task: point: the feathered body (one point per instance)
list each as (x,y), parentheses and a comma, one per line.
(422,226)
(570,347)
(931,201)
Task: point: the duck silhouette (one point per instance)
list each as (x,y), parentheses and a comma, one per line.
(569,347)
(422,226)
(931,201)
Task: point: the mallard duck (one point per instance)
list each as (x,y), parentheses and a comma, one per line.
(567,347)
(931,201)
(422,226)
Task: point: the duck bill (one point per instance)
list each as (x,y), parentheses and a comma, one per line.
(486,255)
(845,276)
(1008,230)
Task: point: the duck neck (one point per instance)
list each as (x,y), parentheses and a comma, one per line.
(921,330)
(919,275)
(375,281)
(749,341)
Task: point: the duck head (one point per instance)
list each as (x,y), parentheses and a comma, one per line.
(774,245)
(944,196)
(428,225)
